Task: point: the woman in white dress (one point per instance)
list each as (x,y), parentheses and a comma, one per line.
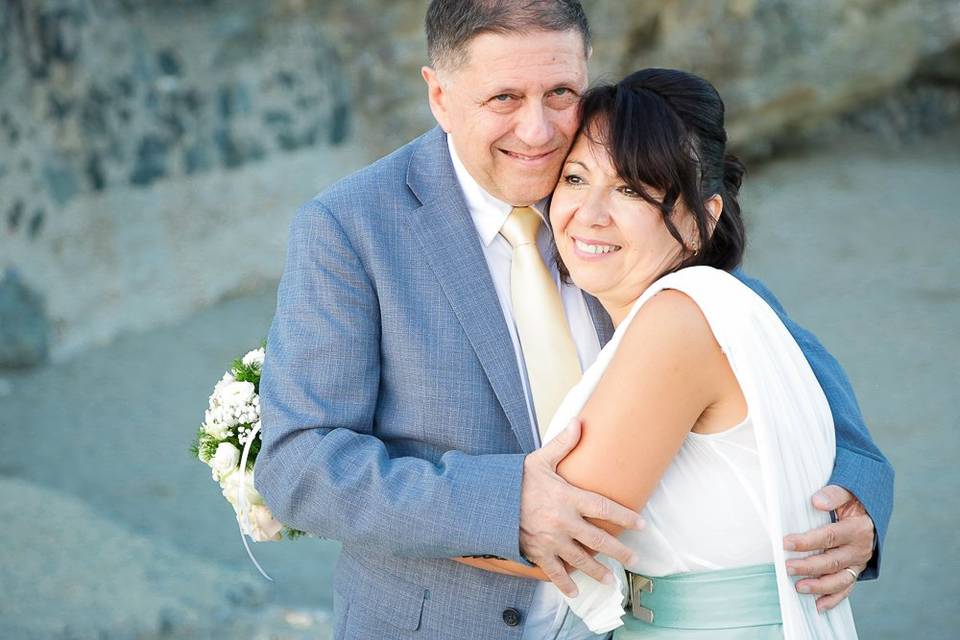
(701,412)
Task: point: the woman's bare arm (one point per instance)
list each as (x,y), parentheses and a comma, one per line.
(667,372)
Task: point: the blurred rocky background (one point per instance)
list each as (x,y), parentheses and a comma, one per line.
(152,153)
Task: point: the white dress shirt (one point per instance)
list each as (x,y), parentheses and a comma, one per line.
(548,607)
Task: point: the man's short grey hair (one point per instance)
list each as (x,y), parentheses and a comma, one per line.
(452,24)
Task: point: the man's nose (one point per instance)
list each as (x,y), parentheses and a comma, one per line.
(534,127)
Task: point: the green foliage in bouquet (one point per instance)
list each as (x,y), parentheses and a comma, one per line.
(204,446)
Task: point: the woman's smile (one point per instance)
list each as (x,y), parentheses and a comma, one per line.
(586,249)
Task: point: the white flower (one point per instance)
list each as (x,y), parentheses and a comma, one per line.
(255,357)
(261,525)
(236,394)
(218,389)
(215,428)
(243,432)
(224,460)
(219,416)
(230,485)
(225,380)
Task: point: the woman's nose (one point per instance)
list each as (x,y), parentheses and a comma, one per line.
(593,210)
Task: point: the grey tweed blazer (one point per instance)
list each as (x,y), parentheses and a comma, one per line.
(393,413)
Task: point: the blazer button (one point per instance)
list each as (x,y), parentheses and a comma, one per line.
(511,616)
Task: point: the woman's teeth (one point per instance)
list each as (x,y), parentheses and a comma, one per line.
(595,248)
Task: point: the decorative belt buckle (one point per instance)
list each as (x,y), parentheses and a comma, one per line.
(639,584)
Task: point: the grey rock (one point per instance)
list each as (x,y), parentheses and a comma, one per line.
(236,150)
(781,66)
(62,182)
(942,67)
(196,159)
(24,327)
(168,62)
(36,223)
(151,160)
(97,579)
(340,123)
(15,216)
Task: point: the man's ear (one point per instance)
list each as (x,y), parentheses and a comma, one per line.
(437,96)
(714,207)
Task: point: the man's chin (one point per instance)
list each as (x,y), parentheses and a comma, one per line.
(529,192)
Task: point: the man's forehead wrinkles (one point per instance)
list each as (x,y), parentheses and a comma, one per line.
(520,84)
(507,61)
(522,66)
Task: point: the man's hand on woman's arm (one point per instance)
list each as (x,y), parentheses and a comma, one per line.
(554,532)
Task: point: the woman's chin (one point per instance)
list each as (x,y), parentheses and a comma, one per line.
(589,282)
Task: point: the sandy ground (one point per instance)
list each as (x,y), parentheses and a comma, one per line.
(106,514)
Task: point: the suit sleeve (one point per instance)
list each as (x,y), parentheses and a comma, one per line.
(860,467)
(321,469)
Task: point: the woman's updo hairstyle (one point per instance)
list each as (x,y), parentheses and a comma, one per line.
(664,131)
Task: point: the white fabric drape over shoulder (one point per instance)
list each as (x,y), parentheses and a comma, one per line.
(794,436)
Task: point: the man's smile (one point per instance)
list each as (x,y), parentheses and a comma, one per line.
(529,158)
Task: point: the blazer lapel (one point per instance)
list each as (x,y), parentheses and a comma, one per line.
(448,239)
(601,320)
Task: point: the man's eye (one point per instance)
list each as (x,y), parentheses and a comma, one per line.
(503,97)
(561,91)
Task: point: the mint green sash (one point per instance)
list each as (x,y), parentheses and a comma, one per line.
(741,601)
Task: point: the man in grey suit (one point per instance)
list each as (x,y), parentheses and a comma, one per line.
(396,412)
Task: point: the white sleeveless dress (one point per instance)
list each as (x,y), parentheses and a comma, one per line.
(727,499)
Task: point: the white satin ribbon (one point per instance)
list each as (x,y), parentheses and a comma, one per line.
(242,515)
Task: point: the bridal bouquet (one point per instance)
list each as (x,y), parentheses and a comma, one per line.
(228,442)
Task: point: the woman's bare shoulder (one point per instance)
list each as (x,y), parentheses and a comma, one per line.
(674,323)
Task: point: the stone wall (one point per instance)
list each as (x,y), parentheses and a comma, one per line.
(785,67)
(152,152)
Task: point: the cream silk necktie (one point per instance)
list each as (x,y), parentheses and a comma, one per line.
(548,349)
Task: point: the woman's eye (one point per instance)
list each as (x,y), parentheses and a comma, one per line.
(573,179)
(629,192)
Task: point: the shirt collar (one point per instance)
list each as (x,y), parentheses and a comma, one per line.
(488,213)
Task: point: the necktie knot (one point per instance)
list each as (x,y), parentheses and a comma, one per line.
(521,226)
